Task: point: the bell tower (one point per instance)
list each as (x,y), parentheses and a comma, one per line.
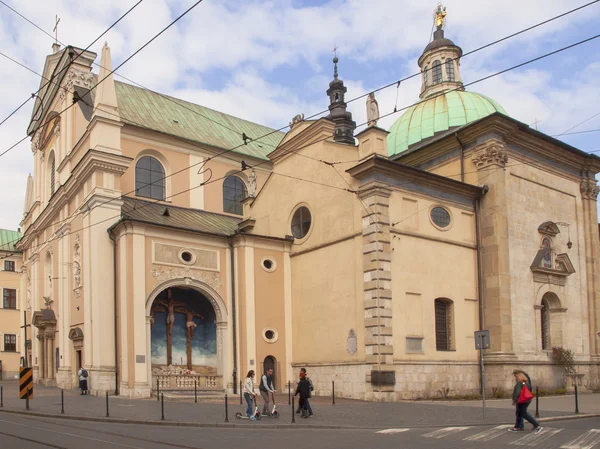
(344,125)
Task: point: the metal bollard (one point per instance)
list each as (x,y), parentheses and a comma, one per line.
(107,415)
(157,390)
(240,392)
(289,392)
(293,411)
(537,402)
(62,401)
(576,398)
(333,392)
(162,407)
(196,391)
(226,410)
(27,400)
(1,396)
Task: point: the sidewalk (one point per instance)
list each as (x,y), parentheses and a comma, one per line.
(345,413)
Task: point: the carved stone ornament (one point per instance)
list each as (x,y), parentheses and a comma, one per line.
(372,110)
(78,78)
(491,155)
(297,119)
(164,274)
(77,266)
(589,189)
(57,130)
(48,302)
(35,143)
(352,344)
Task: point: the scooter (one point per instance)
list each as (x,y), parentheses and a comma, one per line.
(273,413)
(256,415)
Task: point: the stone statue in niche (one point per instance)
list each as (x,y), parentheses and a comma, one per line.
(372,110)
(252,183)
(352,345)
(297,119)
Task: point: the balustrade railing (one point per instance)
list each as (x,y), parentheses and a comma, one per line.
(187,381)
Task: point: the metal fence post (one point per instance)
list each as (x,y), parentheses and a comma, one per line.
(27,399)
(333,392)
(1,396)
(240,392)
(157,390)
(293,411)
(62,401)
(162,407)
(196,391)
(107,414)
(226,409)
(537,402)
(289,392)
(576,398)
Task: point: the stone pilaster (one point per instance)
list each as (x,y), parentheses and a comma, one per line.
(490,158)
(377,256)
(589,193)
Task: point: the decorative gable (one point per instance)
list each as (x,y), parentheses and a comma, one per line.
(556,275)
(549,228)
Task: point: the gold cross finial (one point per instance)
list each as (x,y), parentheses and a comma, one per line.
(335,49)
(56,30)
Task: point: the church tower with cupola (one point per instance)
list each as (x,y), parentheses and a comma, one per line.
(344,125)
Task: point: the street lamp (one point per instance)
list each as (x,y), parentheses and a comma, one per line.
(568,226)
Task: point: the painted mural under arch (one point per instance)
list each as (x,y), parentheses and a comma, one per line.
(184,331)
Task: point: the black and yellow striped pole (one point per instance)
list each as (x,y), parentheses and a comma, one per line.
(26,383)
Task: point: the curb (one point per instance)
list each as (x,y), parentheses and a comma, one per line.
(287,425)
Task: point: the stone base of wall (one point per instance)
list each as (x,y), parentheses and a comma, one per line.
(425,381)
(66,379)
(10,375)
(101,381)
(137,392)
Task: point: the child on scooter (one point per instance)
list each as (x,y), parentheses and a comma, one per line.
(249,394)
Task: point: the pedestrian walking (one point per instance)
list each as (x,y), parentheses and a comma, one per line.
(249,394)
(266,389)
(303,389)
(521,398)
(312,388)
(83,375)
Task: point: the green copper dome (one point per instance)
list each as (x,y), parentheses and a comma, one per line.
(438,113)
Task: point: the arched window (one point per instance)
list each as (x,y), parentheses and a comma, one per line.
(547,259)
(545,325)
(426,75)
(450,69)
(443,324)
(234,192)
(150,178)
(52,167)
(436,68)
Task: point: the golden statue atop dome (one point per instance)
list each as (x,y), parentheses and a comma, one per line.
(440,16)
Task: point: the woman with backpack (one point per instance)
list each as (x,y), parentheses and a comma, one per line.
(522,397)
(83,375)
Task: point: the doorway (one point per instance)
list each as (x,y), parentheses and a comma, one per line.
(271,363)
(79,360)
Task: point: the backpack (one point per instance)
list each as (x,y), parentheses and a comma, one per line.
(84,373)
(312,388)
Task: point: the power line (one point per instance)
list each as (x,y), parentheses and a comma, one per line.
(386,115)
(579,124)
(579,132)
(66,68)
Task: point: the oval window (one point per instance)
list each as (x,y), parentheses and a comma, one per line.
(440,216)
(301,222)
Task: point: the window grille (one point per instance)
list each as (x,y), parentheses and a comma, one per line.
(150,178)
(234,192)
(442,325)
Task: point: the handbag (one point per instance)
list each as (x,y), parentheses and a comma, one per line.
(525,395)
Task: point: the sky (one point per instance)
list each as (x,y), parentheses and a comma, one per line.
(267,61)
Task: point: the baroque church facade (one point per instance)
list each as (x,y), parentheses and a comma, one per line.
(154,256)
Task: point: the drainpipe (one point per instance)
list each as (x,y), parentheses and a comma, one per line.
(233,317)
(110,235)
(462,158)
(479,268)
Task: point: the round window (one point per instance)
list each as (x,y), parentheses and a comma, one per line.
(270,335)
(268,264)
(440,216)
(301,222)
(187,256)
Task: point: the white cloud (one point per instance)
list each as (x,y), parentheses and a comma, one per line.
(248,40)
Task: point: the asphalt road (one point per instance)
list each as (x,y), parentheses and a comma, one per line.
(20,432)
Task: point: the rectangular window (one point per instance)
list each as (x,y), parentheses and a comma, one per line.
(10,298)
(9,265)
(10,343)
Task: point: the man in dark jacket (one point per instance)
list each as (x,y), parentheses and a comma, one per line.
(308,407)
(303,390)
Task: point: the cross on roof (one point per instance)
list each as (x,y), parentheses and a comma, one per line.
(56,30)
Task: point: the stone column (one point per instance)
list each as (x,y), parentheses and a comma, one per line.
(490,158)
(221,353)
(51,355)
(41,355)
(589,193)
(377,256)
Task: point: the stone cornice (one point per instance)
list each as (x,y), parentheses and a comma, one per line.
(380,165)
(318,131)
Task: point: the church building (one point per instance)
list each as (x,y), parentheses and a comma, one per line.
(167,244)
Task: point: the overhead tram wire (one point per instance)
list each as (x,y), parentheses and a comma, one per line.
(354,99)
(578,125)
(327,138)
(67,67)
